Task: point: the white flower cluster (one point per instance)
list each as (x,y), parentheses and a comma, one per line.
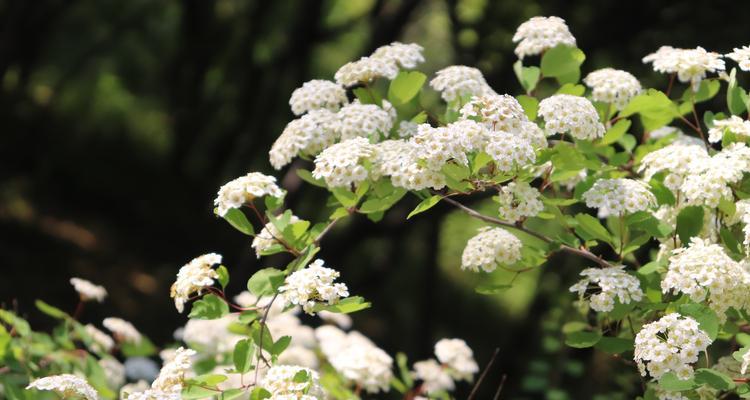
(100,341)
(407,129)
(434,376)
(114,371)
(733,124)
(384,62)
(439,145)
(705,272)
(619,197)
(405,55)
(399,159)
(343,164)
(365,120)
(709,179)
(459,81)
(510,152)
(317,94)
(88,291)
(122,330)
(456,355)
(284,383)
(541,33)
(496,112)
(307,135)
(193,277)
(668,215)
(169,384)
(742,57)
(608,284)
(670,344)
(519,200)
(613,86)
(490,247)
(211,336)
(66,385)
(690,65)
(311,285)
(675,160)
(269,236)
(244,189)
(564,113)
(356,358)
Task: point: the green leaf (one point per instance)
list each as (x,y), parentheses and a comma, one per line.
(53,312)
(209,307)
(614,345)
(713,378)
(280,345)
(403,367)
(672,383)
(590,227)
(689,223)
(706,318)
(492,288)
(615,132)
(655,108)
(527,76)
(223,276)
(231,394)
(727,237)
(261,335)
(662,193)
(345,306)
(563,62)
(571,89)
(239,221)
(367,96)
(646,222)
(425,205)
(530,105)
(144,348)
(707,90)
(405,87)
(306,176)
(345,196)
(265,282)
(582,339)
(242,356)
(736,96)
(198,392)
(260,394)
(207,379)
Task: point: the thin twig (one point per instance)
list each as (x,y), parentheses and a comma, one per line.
(484,374)
(500,388)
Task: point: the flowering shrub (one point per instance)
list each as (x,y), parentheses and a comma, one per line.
(595,170)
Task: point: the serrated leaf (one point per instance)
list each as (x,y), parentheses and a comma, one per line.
(209,306)
(265,282)
(527,76)
(405,87)
(563,62)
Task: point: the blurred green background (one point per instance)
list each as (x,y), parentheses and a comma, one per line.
(120,120)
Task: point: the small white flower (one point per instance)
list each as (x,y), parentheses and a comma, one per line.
(281,382)
(690,65)
(541,33)
(123,330)
(269,236)
(88,291)
(458,357)
(434,376)
(564,113)
(459,81)
(670,344)
(675,160)
(401,54)
(490,247)
(608,284)
(619,197)
(365,70)
(343,164)
(742,57)
(317,94)
(733,124)
(312,285)
(100,341)
(66,385)
(613,86)
(244,189)
(399,159)
(193,277)
(364,120)
(519,200)
(307,135)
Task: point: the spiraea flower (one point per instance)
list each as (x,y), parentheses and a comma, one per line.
(437,146)
(459,81)
(456,355)
(364,120)
(122,330)
(510,152)
(317,94)
(66,385)
(343,164)
(365,70)
(733,124)
(564,113)
(434,376)
(670,344)
(674,160)
(405,55)
(356,358)
(490,247)
(307,135)
(690,65)
(244,189)
(407,129)
(541,33)
(170,382)
(399,159)
(292,382)
(619,197)
(193,277)
(312,285)
(613,86)
(741,56)
(88,291)
(518,200)
(100,341)
(709,179)
(607,285)
(269,236)
(705,272)
(497,112)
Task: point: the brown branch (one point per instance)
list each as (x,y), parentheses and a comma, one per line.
(484,374)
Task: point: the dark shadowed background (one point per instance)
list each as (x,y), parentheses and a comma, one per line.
(120,120)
